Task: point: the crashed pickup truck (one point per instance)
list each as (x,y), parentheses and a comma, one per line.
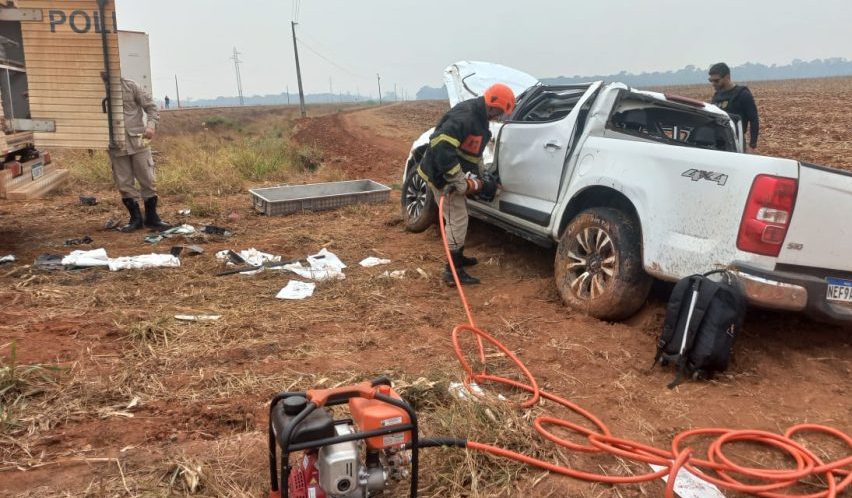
(633,185)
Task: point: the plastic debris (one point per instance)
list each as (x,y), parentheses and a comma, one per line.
(88,200)
(324,265)
(296,290)
(192,250)
(179,230)
(373,261)
(79,242)
(184,212)
(142,262)
(49,262)
(214,230)
(153,239)
(397,274)
(8,259)
(197,318)
(460,391)
(86,259)
(688,485)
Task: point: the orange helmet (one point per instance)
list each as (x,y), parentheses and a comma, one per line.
(500,96)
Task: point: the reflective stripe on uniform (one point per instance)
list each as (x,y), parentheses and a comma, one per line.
(424,176)
(443,137)
(455,169)
(468,157)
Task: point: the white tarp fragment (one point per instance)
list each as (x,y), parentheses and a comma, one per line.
(296,290)
(397,274)
(688,485)
(324,265)
(7,259)
(143,261)
(94,257)
(373,261)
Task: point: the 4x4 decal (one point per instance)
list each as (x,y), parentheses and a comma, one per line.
(700,174)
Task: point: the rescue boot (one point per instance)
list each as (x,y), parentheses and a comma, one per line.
(464,278)
(465,260)
(135,222)
(151,218)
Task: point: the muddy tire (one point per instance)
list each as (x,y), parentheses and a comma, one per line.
(598,265)
(419,209)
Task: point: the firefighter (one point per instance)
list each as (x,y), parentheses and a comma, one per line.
(134,162)
(451,166)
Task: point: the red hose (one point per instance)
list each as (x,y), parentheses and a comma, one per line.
(716,468)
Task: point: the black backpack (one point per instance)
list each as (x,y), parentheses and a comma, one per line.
(703,318)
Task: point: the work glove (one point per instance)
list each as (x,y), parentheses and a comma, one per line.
(490,185)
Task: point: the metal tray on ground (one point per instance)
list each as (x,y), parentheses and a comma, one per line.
(288,199)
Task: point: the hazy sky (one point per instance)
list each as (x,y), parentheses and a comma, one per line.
(410,42)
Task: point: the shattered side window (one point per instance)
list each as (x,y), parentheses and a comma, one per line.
(549,105)
(671,124)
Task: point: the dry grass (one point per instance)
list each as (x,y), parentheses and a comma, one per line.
(19,385)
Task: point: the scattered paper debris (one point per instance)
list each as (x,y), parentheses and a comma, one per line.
(144,261)
(688,485)
(197,318)
(373,261)
(251,257)
(324,265)
(153,239)
(397,274)
(184,212)
(8,259)
(296,290)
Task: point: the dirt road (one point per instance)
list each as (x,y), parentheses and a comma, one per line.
(146,404)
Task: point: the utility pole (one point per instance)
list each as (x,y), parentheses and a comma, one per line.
(298,71)
(330,90)
(379,79)
(395,95)
(177,90)
(288,94)
(237,63)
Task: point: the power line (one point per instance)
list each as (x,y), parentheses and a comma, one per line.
(342,68)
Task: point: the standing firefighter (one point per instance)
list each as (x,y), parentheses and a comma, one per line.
(134,162)
(451,166)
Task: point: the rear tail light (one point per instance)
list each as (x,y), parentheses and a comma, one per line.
(767,215)
(46,158)
(15,167)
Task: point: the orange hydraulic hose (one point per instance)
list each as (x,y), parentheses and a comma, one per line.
(723,469)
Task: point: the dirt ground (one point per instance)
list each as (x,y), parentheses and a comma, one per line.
(146,405)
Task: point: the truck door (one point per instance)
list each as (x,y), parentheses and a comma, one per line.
(533,148)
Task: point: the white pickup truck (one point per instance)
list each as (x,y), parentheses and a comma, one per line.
(633,185)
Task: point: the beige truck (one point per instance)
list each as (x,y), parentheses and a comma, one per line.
(60,86)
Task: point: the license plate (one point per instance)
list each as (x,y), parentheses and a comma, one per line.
(839,289)
(38,170)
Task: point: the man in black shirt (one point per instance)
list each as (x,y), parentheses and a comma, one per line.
(735,100)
